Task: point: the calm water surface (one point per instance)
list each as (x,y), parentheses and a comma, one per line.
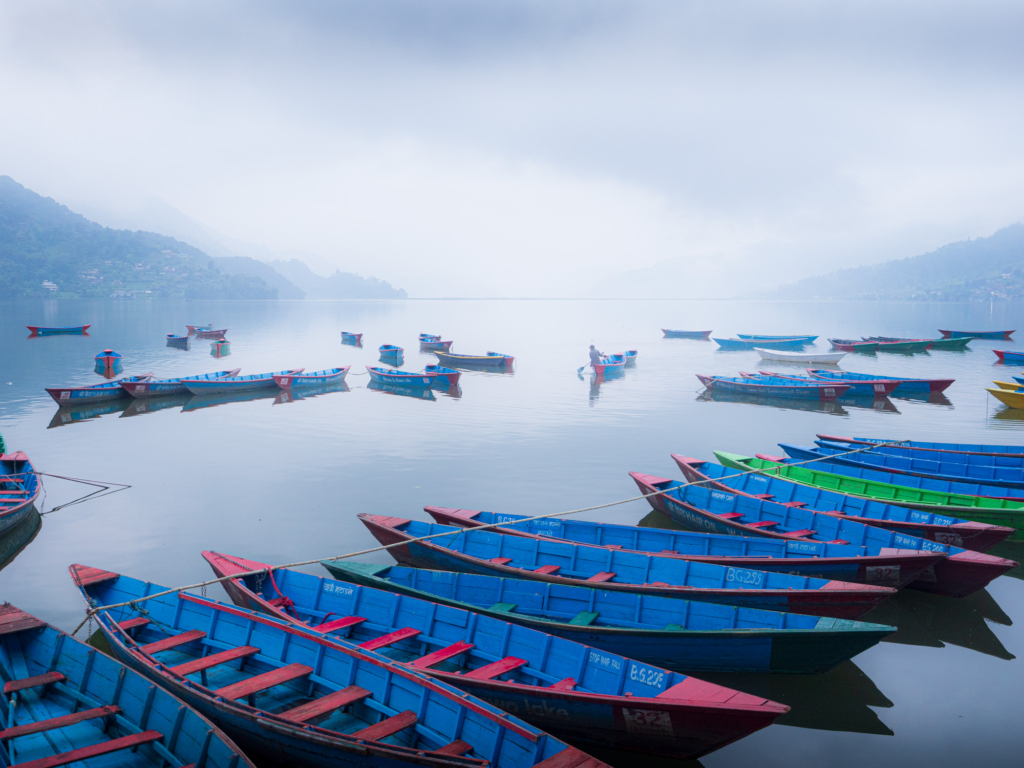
(282,481)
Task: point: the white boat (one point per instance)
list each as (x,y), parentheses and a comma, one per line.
(800,357)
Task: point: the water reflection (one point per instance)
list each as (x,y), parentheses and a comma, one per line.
(198,402)
(303,393)
(831,407)
(143,405)
(108,368)
(932,398)
(18,538)
(1011,550)
(74,414)
(419,393)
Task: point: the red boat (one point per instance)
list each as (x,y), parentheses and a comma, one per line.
(1005,335)
(206,334)
(875,387)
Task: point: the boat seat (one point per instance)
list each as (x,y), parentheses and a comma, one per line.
(95,750)
(674,626)
(347,621)
(387,727)
(250,687)
(669,552)
(567,684)
(730,515)
(500,667)
(658,584)
(325,704)
(613,546)
(794,503)
(214,660)
(173,641)
(837,541)
(389,639)
(584,619)
(129,624)
(546,569)
(804,532)
(64,721)
(500,560)
(597,578)
(449,652)
(763,523)
(764,496)
(456,748)
(503,607)
(34,682)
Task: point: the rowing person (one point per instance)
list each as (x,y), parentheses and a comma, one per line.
(595,357)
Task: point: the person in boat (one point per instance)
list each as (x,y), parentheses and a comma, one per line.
(595,356)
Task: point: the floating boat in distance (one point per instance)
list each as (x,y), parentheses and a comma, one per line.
(19,489)
(429,337)
(933,526)
(800,357)
(208,334)
(347,337)
(491,658)
(610,364)
(1011,399)
(630,355)
(391,352)
(325,703)
(670,632)
(402,390)
(976,334)
(1009,356)
(193,328)
(448,377)
(969,449)
(948,344)
(490,360)
(107,358)
(854,345)
(900,346)
(400,378)
(230,384)
(178,341)
(764,343)
(42,330)
(430,346)
(670,334)
(102,707)
(314,379)
(757,337)
(159,387)
(776,387)
(870,388)
(904,386)
(94,393)
(562,562)
(220,348)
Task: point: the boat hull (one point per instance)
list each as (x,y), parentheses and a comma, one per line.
(474,361)
(318,379)
(808,391)
(905,386)
(229,386)
(400,379)
(670,334)
(798,357)
(163,388)
(431,346)
(14,512)
(39,330)
(977,334)
(764,343)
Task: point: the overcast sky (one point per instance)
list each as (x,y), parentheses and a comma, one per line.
(488,148)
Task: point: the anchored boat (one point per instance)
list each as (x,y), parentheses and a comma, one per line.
(671,334)
(314,379)
(776,387)
(19,489)
(42,330)
(905,386)
(977,334)
(162,387)
(95,393)
(232,384)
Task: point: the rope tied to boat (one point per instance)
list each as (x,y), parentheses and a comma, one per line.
(103,488)
(268,571)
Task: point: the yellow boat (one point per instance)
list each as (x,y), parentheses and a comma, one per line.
(1010,385)
(1013,399)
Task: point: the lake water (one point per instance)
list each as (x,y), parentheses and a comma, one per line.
(281,481)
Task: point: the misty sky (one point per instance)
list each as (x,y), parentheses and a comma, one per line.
(488,148)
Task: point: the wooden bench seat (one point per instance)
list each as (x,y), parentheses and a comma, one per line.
(449,652)
(342,623)
(214,660)
(597,578)
(730,515)
(325,704)
(545,569)
(173,641)
(804,532)
(763,524)
(456,748)
(389,639)
(59,722)
(103,748)
(387,727)
(496,668)
(500,560)
(129,624)
(249,688)
(34,682)
(584,618)
(564,685)
(504,607)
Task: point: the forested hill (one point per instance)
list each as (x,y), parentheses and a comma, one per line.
(48,250)
(985,268)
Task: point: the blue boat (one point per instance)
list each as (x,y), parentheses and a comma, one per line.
(66,703)
(851,467)
(94,393)
(1009,356)
(684,635)
(418,393)
(905,385)
(42,330)
(876,388)
(864,563)
(162,387)
(673,334)
(313,379)
(967,449)
(561,562)
(443,377)
(321,703)
(231,384)
(610,365)
(184,342)
(390,350)
(19,489)
(762,343)
(774,387)
(489,360)
(429,337)
(976,334)
(807,339)
(943,529)
(570,690)
(353,339)
(400,378)
(630,355)
(433,346)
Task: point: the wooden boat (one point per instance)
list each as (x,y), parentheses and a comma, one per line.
(561,562)
(800,357)
(1009,356)
(490,360)
(947,344)
(610,364)
(66,703)
(210,334)
(670,334)
(390,351)
(314,379)
(347,337)
(905,385)
(93,393)
(19,489)
(900,346)
(677,634)
(869,561)
(630,355)
(443,377)
(1014,399)
(809,339)
(943,529)
(869,388)
(976,334)
(429,337)
(322,703)
(854,345)
(957,572)
(930,496)
(763,343)
(986,452)
(179,341)
(430,346)
(193,328)
(518,668)
(160,387)
(400,378)
(402,390)
(775,387)
(229,384)
(220,348)
(107,358)
(42,330)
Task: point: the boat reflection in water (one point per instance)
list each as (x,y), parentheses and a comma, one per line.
(198,402)
(932,398)
(139,405)
(74,414)
(108,368)
(419,393)
(1011,550)
(832,407)
(14,542)
(303,393)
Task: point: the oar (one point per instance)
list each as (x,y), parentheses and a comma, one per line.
(580,369)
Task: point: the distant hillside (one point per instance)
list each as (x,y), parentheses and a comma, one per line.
(971,270)
(48,250)
(340,285)
(243,265)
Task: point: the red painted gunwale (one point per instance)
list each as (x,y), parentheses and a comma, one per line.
(836,438)
(888,385)
(765,389)
(934,385)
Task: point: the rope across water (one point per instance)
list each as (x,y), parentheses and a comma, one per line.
(90,612)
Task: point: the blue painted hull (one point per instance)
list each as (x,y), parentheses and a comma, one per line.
(808,339)
(238,384)
(12,515)
(99,393)
(401,379)
(762,343)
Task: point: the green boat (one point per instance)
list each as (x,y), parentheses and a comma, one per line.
(947,344)
(903,345)
(982,509)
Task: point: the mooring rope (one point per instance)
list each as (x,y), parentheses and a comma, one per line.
(90,612)
(103,488)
